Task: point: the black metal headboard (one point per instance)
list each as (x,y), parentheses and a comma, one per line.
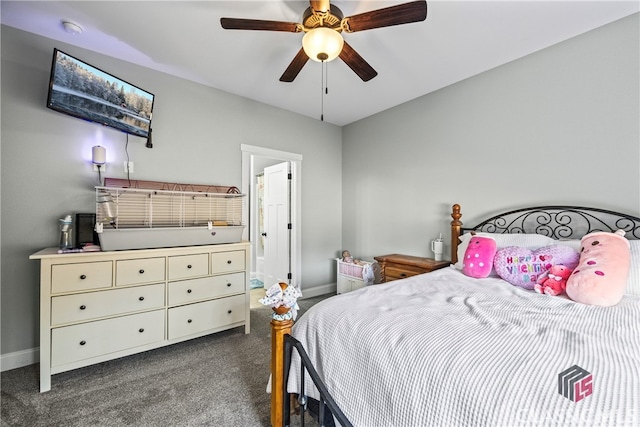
(560,222)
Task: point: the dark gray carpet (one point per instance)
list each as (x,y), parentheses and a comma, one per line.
(217,380)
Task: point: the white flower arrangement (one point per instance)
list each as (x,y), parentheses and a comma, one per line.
(282,299)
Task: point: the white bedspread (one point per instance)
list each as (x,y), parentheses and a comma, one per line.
(441,349)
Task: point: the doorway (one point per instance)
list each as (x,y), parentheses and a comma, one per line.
(254,161)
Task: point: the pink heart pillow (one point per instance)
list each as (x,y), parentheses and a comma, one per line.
(522,266)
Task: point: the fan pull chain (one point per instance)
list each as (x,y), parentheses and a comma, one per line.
(324,89)
(322,65)
(326,79)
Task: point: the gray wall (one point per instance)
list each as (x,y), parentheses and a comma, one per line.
(197,133)
(560,126)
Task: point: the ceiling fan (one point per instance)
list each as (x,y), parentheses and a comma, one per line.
(323,24)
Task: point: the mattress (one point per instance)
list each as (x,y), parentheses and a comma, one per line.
(444,349)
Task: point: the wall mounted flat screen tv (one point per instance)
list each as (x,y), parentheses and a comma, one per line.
(81,90)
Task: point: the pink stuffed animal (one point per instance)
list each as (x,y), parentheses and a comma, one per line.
(478,258)
(601,276)
(554,281)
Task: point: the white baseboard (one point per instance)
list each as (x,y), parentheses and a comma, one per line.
(319,290)
(19,359)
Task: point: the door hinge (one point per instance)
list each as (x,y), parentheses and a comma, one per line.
(289,276)
(289,175)
(289,226)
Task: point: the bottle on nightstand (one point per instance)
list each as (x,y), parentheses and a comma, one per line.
(437,247)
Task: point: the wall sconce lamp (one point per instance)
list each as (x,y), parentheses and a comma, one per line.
(99,158)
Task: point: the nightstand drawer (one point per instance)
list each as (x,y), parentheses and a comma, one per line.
(394,272)
(397,266)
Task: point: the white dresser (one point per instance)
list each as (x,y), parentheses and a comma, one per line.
(98,306)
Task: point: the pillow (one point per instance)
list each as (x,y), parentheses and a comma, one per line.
(522,266)
(601,276)
(529,241)
(572,243)
(633,283)
(478,258)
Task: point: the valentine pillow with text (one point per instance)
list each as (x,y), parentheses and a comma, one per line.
(522,266)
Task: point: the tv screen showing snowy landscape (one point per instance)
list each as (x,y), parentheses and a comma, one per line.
(81,90)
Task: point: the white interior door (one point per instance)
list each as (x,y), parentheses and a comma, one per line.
(277,232)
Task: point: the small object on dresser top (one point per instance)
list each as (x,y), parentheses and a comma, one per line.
(85,248)
(69,251)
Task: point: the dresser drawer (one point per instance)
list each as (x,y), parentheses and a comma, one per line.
(186,266)
(188,291)
(81,276)
(138,271)
(196,318)
(92,305)
(223,262)
(78,342)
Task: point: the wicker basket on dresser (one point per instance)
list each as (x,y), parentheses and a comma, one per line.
(98,306)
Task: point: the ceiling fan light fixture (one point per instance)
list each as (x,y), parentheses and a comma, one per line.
(322,44)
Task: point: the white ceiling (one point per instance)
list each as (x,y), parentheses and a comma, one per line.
(457,40)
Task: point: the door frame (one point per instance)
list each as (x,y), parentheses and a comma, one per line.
(249,154)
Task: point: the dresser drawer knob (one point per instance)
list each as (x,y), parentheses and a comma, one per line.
(82,277)
(229,312)
(189,321)
(141,298)
(141,330)
(229,285)
(229,262)
(82,307)
(188,291)
(83,342)
(189,266)
(141,271)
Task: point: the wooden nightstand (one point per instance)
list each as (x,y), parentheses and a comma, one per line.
(396,266)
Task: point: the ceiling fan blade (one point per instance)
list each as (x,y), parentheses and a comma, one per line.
(357,63)
(258,24)
(405,13)
(319,5)
(294,67)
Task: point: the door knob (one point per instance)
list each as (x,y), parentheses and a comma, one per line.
(264,234)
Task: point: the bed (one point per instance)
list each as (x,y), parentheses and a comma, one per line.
(444,348)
